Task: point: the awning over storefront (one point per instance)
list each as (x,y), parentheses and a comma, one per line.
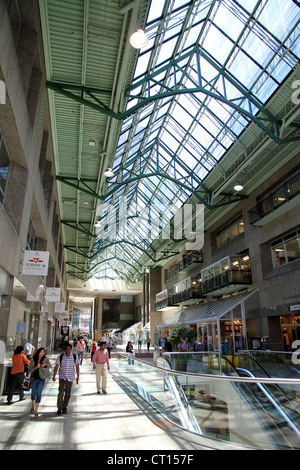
(212,310)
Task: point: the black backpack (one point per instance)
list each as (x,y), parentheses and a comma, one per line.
(74,357)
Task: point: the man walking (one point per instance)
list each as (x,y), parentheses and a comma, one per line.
(28,349)
(66,362)
(80,349)
(101,364)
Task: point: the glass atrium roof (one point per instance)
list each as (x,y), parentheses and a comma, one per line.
(208,70)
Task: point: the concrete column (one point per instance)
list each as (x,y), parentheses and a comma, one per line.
(33,94)
(4,319)
(43,154)
(15,194)
(26,53)
(146,298)
(98,313)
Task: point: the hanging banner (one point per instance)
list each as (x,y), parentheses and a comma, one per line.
(32,298)
(60,307)
(35,263)
(53,294)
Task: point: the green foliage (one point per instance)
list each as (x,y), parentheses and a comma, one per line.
(180,332)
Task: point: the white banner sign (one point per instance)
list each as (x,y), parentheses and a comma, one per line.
(53,294)
(60,307)
(35,263)
(31,298)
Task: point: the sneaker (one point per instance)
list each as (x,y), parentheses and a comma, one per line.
(105,392)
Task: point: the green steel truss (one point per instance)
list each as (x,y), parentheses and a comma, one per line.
(139,161)
(182,76)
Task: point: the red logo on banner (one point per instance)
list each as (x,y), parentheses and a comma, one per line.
(36,260)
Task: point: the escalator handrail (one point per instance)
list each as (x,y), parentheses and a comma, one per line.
(183,396)
(185,410)
(276,386)
(271,399)
(278,359)
(258,364)
(269,376)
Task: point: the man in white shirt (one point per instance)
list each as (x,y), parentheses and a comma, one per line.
(101,364)
(28,349)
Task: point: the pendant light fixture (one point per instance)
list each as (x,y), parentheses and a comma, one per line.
(139,39)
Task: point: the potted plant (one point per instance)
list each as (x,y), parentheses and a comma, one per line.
(178,333)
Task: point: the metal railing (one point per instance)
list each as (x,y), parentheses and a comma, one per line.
(220,405)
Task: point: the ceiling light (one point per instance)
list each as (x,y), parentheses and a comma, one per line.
(238,186)
(109,173)
(139,39)
(92,143)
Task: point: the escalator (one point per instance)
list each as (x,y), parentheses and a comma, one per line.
(276,409)
(260,415)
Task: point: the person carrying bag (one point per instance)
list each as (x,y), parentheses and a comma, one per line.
(39,368)
(16,377)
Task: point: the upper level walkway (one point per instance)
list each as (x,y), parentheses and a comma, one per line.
(120,420)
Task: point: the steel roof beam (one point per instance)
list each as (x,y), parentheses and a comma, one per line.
(78,226)
(245,102)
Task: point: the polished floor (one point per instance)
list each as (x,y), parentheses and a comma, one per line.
(120,420)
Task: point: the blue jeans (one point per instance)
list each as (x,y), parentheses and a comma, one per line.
(80,357)
(36,391)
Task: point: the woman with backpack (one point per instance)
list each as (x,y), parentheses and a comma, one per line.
(38,365)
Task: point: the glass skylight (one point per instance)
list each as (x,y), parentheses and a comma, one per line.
(185,135)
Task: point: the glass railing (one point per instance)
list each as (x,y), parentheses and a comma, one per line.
(272,201)
(222,400)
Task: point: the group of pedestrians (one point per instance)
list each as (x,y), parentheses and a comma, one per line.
(67,366)
(35,362)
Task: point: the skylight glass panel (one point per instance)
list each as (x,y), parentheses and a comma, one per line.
(217,44)
(232,27)
(245,39)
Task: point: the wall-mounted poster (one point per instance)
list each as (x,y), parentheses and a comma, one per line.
(35,263)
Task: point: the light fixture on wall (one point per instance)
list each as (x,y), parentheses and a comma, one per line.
(139,39)
(238,186)
(109,173)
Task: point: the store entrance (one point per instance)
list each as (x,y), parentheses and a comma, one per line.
(290,330)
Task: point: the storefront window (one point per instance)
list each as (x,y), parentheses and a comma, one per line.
(245,263)
(286,250)
(278,254)
(292,246)
(217,269)
(290,330)
(233,230)
(225,265)
(235,263)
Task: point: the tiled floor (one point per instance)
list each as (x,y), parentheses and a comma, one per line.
(120,420)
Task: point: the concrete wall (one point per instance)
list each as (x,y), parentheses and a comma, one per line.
(30,193)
